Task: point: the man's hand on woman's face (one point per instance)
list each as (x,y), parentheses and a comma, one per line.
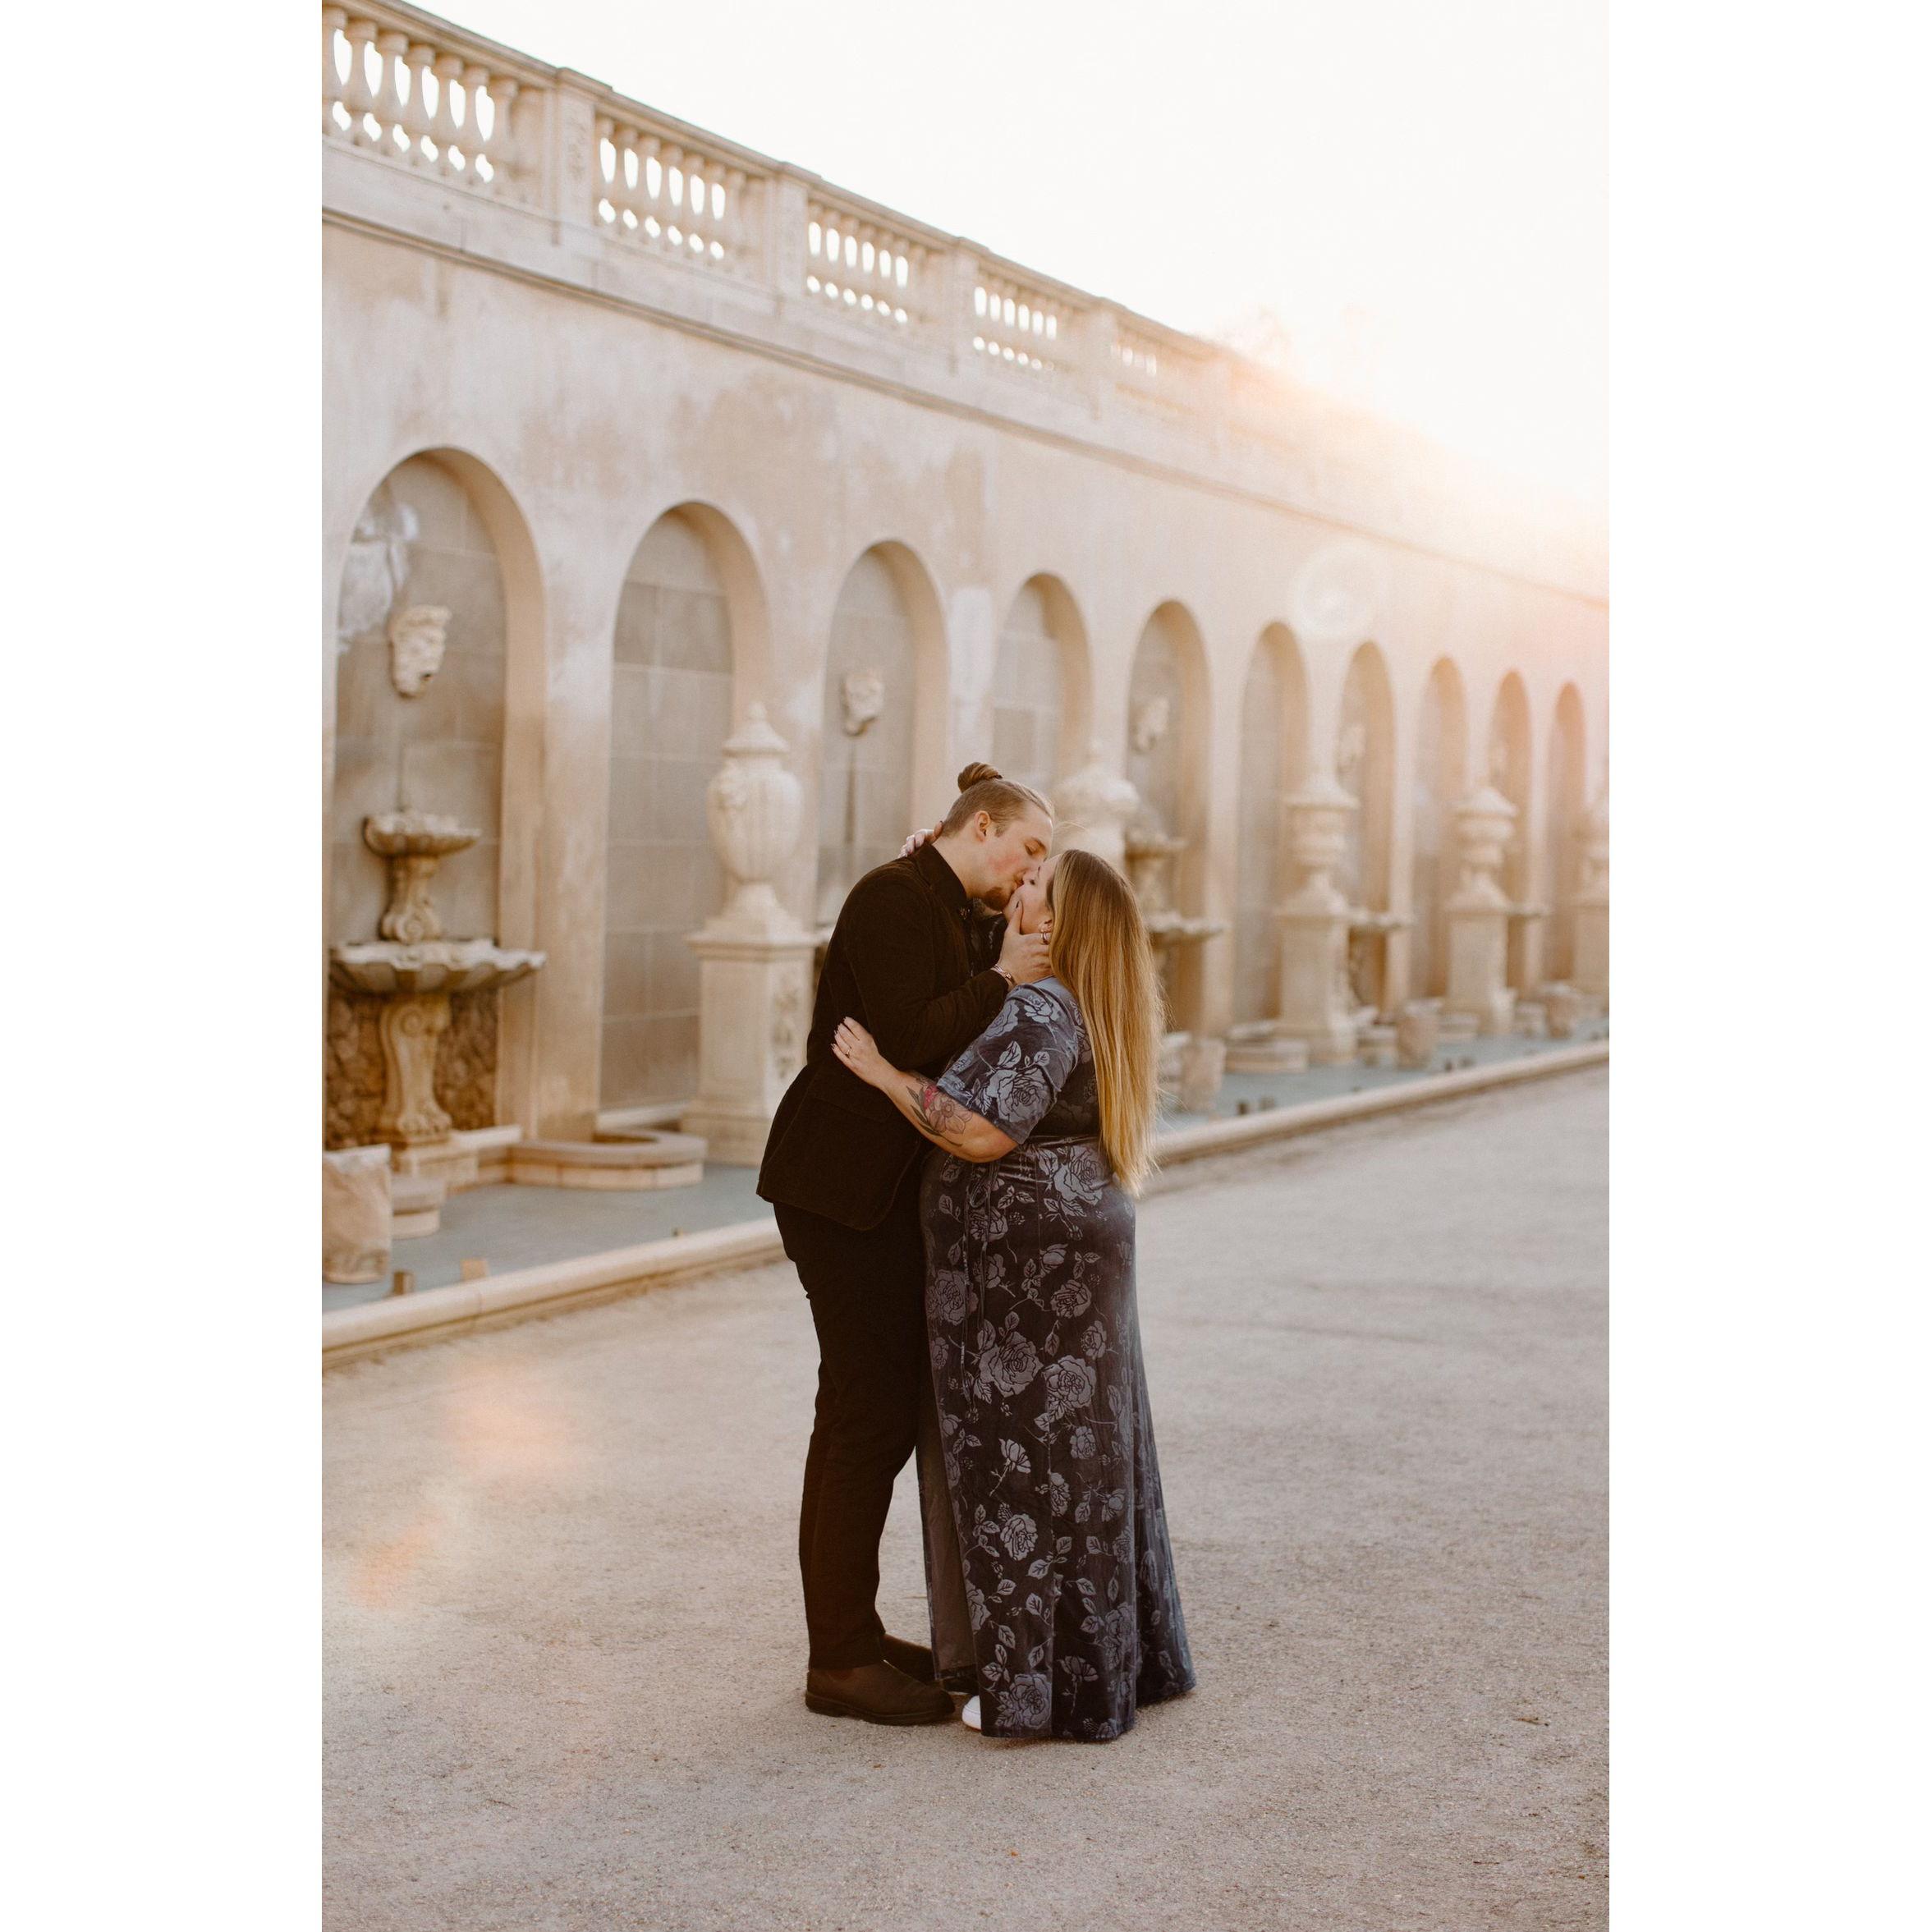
(1024,955)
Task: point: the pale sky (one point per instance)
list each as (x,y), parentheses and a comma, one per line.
(1416,189)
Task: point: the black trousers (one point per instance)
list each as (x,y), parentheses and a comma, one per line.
(867,1291)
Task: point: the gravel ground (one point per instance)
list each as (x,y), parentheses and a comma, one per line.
(565,1653)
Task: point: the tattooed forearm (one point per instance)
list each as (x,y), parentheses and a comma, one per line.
(939,1113)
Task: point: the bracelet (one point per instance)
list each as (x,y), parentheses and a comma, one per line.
(1012,984)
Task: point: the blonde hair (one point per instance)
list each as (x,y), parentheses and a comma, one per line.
(982,789)
(1100,953)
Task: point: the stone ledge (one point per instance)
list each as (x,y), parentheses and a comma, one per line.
(1281,1123)
(374,1328)
(435,1314)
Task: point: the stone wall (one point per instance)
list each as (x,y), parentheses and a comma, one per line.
(671,699)
(1258,881)
(1028,695)
(865,783)
(1155,772)
(582,384)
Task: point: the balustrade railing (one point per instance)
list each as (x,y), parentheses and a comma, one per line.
(402,93)
(1020,326)
(664,193)
(871,270)
(420,93)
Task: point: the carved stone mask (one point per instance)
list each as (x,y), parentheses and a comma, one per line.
(417,637)
(1151,724)
(863,694)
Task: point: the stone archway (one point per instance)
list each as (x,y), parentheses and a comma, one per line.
(1274,762)
(690,595)
(1042,695)
(1509,770)
(439,629)
(1167,763)
(1561,858)
(883,745)
(1365,765)
(1441,782)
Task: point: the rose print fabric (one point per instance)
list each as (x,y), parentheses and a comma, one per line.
(1055,1537)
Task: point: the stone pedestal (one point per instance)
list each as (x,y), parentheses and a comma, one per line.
(754,997)
(411,1027)
(1202,1062)
(1316,1005)
(1418,1028)
(1562,1009)
(754,976)
(1479,916)
(1590,964)
(415,1205)
(355,1232)
(1259,1047)
(1377,1046)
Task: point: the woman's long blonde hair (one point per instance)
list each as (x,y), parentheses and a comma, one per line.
(1100,952)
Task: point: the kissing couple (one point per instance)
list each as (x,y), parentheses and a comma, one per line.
(953,1173)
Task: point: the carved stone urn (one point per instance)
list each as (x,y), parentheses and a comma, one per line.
(754,806)
(1478,914)
(1091,808)
(755,969)
(1315,1005)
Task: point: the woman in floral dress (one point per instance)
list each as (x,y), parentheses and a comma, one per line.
(1047,1553)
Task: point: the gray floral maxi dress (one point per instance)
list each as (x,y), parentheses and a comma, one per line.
(1048,1564)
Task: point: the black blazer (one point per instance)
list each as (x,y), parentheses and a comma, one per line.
(911,960)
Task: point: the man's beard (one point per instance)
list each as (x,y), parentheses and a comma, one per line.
(997,898)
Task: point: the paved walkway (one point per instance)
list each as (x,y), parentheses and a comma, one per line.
(564,1649)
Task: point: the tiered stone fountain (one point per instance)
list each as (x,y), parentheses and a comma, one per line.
(413,970)
(1150,851)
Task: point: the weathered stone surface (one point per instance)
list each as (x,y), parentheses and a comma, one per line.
(1203,1062)
(355,1232)
(465,1065)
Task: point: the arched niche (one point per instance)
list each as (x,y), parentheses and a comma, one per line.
(690,610)
(884,761)
(1364,763)
(1167,763)
(439,532)
(1274,762)
(1509,771)
(1567,769)
(1441,782)
(1042,687)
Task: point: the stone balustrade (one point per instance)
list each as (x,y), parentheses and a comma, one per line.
(1018,324)
(394,84)
(656,189)
(409,92)
(869,269)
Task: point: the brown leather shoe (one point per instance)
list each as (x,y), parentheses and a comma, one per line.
(877,1694)
(915,1660)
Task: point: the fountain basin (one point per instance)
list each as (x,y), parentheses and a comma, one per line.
(390,967)
(416,835)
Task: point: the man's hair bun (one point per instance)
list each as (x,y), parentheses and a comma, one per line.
(976,774)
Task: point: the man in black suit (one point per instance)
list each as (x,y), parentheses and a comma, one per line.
(913,963)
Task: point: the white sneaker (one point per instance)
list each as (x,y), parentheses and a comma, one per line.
(970,1716)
